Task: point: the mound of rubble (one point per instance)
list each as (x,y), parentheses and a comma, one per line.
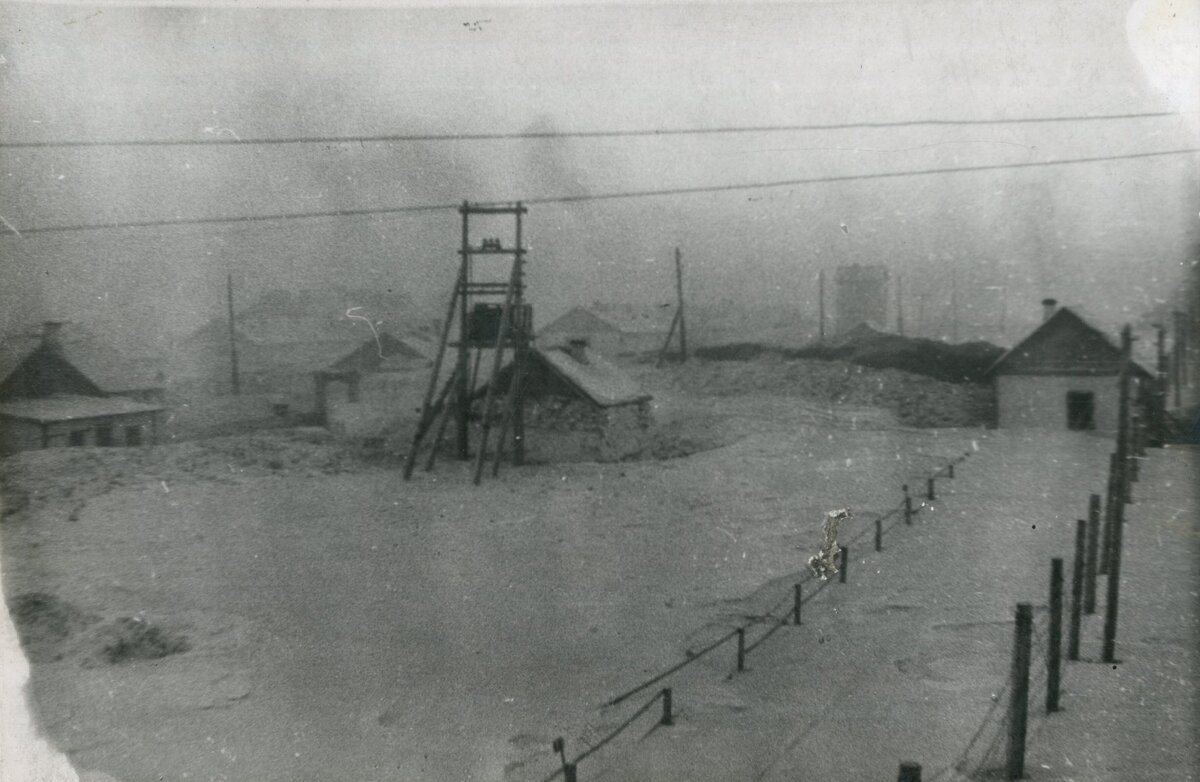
(72,475)
(916,400)
(45,623)
(966,362)
(52,629)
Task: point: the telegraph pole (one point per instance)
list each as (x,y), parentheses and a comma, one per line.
(1177,358)
(954,305)
(821,305)
(679,294)
(1160,386)
(233,356)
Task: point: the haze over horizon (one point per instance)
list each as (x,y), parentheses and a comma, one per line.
(1113,236)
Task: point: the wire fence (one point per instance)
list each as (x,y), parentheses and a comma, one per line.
(786,610)
(567,770)
(985,754)
(997,748)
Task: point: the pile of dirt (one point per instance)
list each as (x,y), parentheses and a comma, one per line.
(962,363)
(916,400)
(967,362)
(734,351)
(131,638)
(46,623)
(32,479)
(52,629)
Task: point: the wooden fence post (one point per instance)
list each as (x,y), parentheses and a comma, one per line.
(879,534)
(799,602)
(568,768)
(1054,652)
(907,506)
(845,564)
(1018,702)
(1093,542)
(1114,583)
(1128,476)
(1077,569)
(741,648)
(929,494)
(667,717)
(909,772)
(1110,500)
(1136,451)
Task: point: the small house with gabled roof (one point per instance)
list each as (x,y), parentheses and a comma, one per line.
(579,405)
(1063,376)
(64,392)
(384,364)
(611,329)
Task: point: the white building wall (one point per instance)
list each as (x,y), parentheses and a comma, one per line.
(1040,401)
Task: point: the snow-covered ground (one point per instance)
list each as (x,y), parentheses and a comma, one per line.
(345,624)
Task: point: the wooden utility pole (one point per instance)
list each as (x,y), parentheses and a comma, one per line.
(235,381)
(1179,356)
(462,392)
(677,319)
(683,354)
(1160,388)
(821,305)
(954,305)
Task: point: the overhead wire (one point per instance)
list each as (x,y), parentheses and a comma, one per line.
(584,197)
(218,137)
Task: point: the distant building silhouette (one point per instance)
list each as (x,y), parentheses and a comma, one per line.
(860,296)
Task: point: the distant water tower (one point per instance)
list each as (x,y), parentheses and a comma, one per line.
(860,296)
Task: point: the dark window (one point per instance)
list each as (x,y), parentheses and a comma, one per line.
(104,436)
(78,437)
(133,435)
(1081,410)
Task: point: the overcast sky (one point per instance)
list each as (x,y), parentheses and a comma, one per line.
(1110,235)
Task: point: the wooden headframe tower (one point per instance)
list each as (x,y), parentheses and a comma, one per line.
(492,319)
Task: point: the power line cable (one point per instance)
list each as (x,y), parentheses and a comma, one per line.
(218,137)
(595,196)
(239,219)
(856,177)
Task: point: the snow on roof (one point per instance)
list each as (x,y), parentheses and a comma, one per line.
(293,343)
(625,318)
(110,369)
(1060,316)
(579,320)
(381,352)
(598,379)
(70,408)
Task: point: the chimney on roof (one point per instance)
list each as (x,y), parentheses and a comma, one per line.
(577,350)
(52,335)
(1049,306)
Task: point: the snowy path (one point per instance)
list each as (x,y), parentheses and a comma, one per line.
(356,626)
(902,662)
